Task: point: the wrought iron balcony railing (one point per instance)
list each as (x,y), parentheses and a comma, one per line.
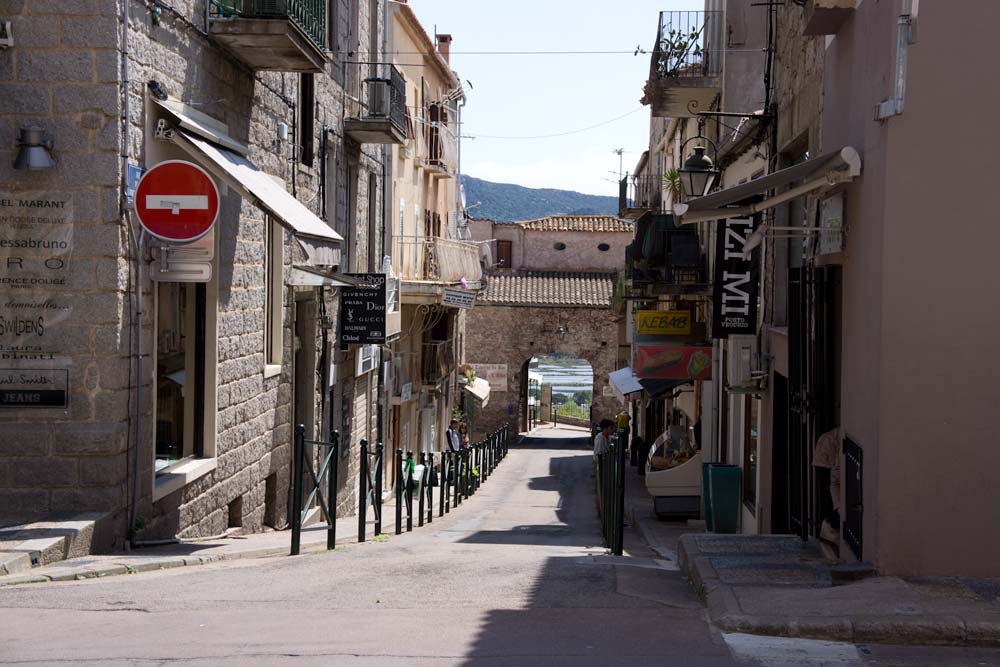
(376,105)
(689,44)
(638,194)
(308,15)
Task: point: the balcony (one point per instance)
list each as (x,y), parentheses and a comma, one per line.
(666,258)
(275,35)
(637,195)
(429,264)
(441,144)
(685,72)
(376,108)
(824,17)
(437,361)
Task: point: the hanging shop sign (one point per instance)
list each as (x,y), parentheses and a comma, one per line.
(39,285)
(734,293)
(362,310)
(495,374)
(458,298)
(177,201)
(831,236)
(663,322)
(673,362)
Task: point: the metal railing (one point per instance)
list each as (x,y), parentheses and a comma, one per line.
(437,259)
(609,482)
(376,97)
(640,192)
(328,472)
(370,488)
(690,44)
(662,252)
(308,15)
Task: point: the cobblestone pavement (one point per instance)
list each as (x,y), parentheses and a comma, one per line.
(516,576)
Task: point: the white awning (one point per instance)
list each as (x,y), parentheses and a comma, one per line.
(624,382)
(306,276)
(823,171)
(318,240)
(479,389)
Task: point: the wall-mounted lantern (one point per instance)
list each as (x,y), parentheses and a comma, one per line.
(33,149)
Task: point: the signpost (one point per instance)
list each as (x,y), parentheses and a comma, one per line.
(177,201)
(663,322)
(459,298)
(362,310)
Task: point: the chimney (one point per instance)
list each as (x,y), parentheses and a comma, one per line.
(444,47)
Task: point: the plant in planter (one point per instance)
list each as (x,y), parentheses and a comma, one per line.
(679,50)
(467,373)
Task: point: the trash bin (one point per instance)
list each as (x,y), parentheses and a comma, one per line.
(721,495)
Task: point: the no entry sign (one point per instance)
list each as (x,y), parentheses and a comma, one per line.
(177,201)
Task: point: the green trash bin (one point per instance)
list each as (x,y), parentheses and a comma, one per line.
(723,503)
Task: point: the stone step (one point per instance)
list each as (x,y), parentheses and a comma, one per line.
(50,540)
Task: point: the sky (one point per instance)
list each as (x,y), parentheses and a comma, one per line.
(531,95)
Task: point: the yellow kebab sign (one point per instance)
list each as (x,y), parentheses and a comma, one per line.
(663,322)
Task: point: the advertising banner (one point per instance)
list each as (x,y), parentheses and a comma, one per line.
(362,310)
(37,285)
(495,374)
(673,362)
(663,322)
(734,293)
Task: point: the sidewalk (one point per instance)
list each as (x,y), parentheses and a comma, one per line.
(779,585)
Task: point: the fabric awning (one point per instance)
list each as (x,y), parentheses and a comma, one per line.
(821,171)
(479,389)
(657,388)
(320,243)
(624,382)
(306,276)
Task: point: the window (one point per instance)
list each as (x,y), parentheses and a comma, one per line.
(332,26)
(307,114)
(273,302)
(751,437)
(559,246)
(504,254)
(603,247)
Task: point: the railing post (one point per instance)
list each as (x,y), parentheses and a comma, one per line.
(457,462)
(430,487)
(331,490)
(399,491)
(379,474)
(443,481)
(620,498)
(363,492)
(300,435)
(409,491)
(420,485)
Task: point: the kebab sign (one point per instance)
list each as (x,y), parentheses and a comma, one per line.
(673,362)
(177,201)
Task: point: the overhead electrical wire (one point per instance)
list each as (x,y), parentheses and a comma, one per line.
(557,134)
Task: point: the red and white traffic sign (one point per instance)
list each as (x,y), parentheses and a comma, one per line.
(177,201)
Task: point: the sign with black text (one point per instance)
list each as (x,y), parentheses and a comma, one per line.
(362,310)
(734,292)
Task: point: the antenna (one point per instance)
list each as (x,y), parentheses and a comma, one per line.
(619,151)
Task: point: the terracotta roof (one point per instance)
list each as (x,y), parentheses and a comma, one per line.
(549,288)
(578,223)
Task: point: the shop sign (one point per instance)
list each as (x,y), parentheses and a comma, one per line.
(495,374)
(734,294)
(673,362)
(831,236)
(37,285)
(663,322)
(362,310)
(458,298)
(406,392)
(177,201)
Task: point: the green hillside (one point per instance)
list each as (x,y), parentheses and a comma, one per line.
(505,202)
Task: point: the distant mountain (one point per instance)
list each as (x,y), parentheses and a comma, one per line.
(505,202)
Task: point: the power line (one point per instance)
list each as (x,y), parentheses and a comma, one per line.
(557,134)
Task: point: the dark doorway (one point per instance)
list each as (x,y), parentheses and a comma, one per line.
(504,254)
(779,456)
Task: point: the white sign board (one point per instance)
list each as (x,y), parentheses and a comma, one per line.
(495,374)
(459,298)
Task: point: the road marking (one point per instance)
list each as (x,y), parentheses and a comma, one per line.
(790,652)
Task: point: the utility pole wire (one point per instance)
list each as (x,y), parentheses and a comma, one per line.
(557,134)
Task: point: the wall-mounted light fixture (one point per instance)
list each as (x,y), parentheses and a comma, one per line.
(561,330)
(33,149)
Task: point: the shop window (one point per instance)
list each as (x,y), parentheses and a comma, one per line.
(751,439)
(559,246)
(273,301)
(603,247)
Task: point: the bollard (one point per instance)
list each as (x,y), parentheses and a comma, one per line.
(363,491)
(443,481)
(399,491)
(423,480)
(331,490)
(430,488)
(379,474)
(408,490)
(300,435)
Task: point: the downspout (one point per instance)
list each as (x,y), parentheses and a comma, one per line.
(386,174)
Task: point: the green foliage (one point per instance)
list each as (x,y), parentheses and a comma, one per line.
(573,410)
(674,184)
(505,202)
(582,397)
(559,399)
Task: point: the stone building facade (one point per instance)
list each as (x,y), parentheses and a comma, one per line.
(258,327)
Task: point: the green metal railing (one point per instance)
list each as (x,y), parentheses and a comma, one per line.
(328,472)
(308,15)
(610,489)
(370,488)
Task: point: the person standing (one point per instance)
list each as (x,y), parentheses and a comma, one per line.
(463,432)
(454,437)
(602,441)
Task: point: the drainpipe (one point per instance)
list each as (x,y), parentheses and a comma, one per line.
(386,175)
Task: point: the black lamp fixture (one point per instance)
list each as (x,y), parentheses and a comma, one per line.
(33,149)
(698,172)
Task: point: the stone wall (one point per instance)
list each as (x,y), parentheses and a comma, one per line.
(512,335)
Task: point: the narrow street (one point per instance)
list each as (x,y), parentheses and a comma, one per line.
(515,575)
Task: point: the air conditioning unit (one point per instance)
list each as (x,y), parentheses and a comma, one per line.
(379,96)
(743,362)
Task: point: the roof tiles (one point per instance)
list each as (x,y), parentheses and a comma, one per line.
(578,223)
(549,288)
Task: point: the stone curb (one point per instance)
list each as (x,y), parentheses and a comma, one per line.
(725,612)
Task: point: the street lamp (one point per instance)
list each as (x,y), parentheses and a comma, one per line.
(33,149)
(698,172)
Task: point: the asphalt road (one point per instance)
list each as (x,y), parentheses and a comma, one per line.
(515,576)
